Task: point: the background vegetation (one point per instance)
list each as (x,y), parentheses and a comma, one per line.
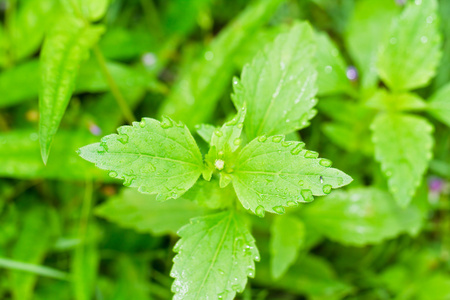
(70,231)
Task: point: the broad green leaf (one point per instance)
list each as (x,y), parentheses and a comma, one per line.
(443,72)
(20,157)
(205,131)
(287,237)
(278,87)
(403,146)
(402,64)
(28,26)
(271,173)
(310,276)
(361,216)
(366,30)
(203,82)
(94,10)
(216,253)
(64,48)
(209,194)
(439,105)
(143,213)
(331,68)
(396,102)
(157,157)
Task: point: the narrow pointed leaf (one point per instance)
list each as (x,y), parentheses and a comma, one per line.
(403,145)
(286,239)
(439,105)
(410,56)
(271,173)
(278,87)
(365,216)
(64,48)
(156,157)
(216,253)
(227,139)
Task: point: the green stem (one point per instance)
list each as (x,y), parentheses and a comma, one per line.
(127,112)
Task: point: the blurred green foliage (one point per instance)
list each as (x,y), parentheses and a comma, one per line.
(69,231)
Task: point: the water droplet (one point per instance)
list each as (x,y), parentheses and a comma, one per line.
(142,123)
(236,287)
(237,142)
(104,146)
(123,138)
(311,154)
(393,40)
(278,209)
(277,139)
(112,174)
(292,203)
(307,195)
(297,149)
(220,153)
(430,19)
(262,138)
(240,125)
(251,273)
(325,162)
(209,55)
(221,272)
(286,143)
(260,211)
(148,168)
(301,182)
(424,39)
(328,69)
(257,258)
(166,123)
(219,133)
(327,188)
(128,180)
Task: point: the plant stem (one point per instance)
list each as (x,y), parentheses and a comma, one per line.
(127,112)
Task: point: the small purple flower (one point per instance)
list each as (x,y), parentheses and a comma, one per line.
(436,185)
(400,2)
(94,129)
(352,73)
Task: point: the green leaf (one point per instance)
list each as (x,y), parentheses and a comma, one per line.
(209,194)
(203,82)
(157,157)
(278,87)
(366,30)
(439,105)
(402,64)
(28,26)
(226,139)
(365,216)
(13,80)
(287,237)
(20,157)
(271,173)
(205,131)
(331,68)
(143,213)
(94,10)
(32,268)
(216,253)
(312,276)
(64,48)
(403,145)
(396,102)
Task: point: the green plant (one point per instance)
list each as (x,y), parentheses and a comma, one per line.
(216,252)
